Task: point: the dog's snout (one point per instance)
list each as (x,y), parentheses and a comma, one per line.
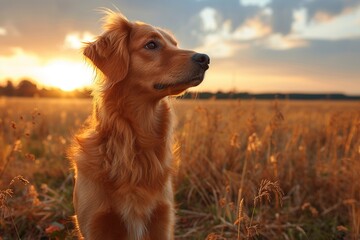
(202,59)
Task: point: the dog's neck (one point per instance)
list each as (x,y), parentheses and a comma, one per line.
(124,111)
(135,133)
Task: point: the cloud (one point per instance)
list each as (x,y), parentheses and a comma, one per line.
(224,42)
(278,41)
(40,26)
(252,29)
(317,11)
(224,38)
(182,17)
(9,30)
(330,8)
(208,17)
(281,33)
(51,20)
(220,49)
(76,40)
(234,11)
(343,26)
(282,15)
(289,20)
(220,43)
(3,31)
(259,3)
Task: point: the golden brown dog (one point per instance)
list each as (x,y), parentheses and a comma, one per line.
(123,158)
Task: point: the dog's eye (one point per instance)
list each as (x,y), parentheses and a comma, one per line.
(151,45)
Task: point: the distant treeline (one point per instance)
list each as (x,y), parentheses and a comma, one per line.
(27,88)
(269,96)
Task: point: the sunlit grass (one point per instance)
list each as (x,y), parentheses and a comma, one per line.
(237,159)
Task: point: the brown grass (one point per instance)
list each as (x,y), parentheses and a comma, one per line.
(247,169)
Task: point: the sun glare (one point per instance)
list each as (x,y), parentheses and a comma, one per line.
(66,75)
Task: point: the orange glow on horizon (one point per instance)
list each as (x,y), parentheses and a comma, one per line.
(66,75)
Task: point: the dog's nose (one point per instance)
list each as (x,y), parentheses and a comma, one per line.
(201,59)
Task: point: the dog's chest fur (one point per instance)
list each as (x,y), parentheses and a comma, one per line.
(139,161)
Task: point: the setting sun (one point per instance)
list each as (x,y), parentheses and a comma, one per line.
(63,73)
(253,46)
(66,75)
(251,108)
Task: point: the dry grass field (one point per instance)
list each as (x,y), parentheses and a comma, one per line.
(246,169)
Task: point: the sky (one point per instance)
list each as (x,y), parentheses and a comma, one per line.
(254,45)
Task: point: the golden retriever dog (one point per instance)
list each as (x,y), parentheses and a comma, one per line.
(123,157)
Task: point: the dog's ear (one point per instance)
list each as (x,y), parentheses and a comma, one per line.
(98,51)
(109,53)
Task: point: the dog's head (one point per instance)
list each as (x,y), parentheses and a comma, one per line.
(145,58)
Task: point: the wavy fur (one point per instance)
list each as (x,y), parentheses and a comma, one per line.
(122,158)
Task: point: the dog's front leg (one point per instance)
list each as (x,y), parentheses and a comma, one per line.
(162,222)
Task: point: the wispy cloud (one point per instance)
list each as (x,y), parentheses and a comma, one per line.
(3,31)
(224,40)
(343,26)
(278,41)
(285,34)
(252,29)
(76,40)
(218,38)
(259,3)
(208,16)
(295,28)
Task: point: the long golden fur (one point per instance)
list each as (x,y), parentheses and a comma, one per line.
(123,158)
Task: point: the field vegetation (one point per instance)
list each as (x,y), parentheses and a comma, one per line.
(245,169)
